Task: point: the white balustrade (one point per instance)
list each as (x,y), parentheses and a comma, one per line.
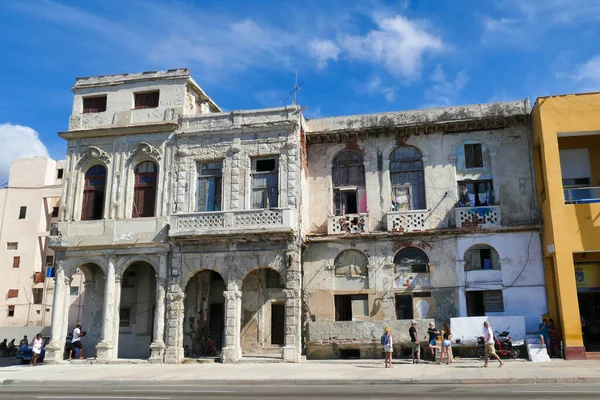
(349,223)
(478,217)
(408,221)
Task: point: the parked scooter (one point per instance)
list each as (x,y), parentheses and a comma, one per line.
(504,345)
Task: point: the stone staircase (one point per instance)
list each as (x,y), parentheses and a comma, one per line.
(535,351)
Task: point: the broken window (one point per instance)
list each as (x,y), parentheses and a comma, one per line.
(349,194)
(473,155)
(209,187)
(412,259)
(265,183)
(92,206)
(481,256)
(144,190)
(22,212)
(349,306)
(94,104)
(124,317)
(38,295)
(476,193)
(146,100)
(11,311)
(54,212)
(407,179)
(16,262)
(481,302)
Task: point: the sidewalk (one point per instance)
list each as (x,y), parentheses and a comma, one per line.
(306,373)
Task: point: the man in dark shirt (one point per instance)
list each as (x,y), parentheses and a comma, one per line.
(433,335)
(414,340)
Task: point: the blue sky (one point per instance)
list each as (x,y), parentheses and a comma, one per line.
(352,56)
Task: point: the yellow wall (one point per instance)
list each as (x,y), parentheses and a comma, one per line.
(570,228)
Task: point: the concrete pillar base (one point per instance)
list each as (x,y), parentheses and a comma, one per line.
(291,354)
(231,355)
(173,355)
(575,353)
(54,354)
(157,350)
(104,351)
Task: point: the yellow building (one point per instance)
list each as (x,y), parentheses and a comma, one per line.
(566,132)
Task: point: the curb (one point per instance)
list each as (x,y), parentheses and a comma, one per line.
(310,382)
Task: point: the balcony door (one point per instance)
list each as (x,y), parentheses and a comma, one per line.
(93,193)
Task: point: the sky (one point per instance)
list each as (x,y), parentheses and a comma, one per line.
(351,57)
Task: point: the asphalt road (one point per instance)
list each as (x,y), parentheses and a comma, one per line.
(421,392)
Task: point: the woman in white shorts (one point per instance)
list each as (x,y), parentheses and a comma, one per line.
(446,344)
(37,344)
(388,347)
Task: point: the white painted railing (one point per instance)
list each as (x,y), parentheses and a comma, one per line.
(407,221)
(349,223)
(478,217)
(225,222)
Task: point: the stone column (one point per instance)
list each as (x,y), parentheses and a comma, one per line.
(116,317)
(232,351)
(174,332)
(157,347)
(105,349)
(293,308)
(56,348)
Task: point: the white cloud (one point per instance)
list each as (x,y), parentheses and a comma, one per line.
(18,142)
(398,43)
(444,91)
(323,51)
(588,75)
(375,86)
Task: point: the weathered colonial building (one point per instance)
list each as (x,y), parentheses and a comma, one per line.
(184,220)
(426,214)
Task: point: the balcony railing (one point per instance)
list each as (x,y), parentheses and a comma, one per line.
(349,223)
(407,221)
(478,217)
(582,195)
(484,276)
(229,222)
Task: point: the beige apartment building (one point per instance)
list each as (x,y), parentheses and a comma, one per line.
(28,207)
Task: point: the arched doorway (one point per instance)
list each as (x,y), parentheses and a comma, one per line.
(204,319)
(86,297)
(263,313)
(136,311)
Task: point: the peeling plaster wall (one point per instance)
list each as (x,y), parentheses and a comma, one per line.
(507,162)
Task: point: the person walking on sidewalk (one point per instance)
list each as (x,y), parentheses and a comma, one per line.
(488,336)
(446,344)
(37,344)
(76,342)
(433,336)
(414,340)
(388,345)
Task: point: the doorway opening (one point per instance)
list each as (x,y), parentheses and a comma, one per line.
(277,323)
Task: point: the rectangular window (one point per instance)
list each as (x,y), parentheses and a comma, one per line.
(273,279)
(404,307)
(11,311)
(54,212)
(13,293)
(146,100)
(265,183)
(38,295)
(12,246)
(94,104)
(346,201)
(343,307)
(74,291)
(16,262)
(209,186)
(476,193)
(59,173)
(22,212)
(481,302)
(124,317)
(473,156)
(49,261)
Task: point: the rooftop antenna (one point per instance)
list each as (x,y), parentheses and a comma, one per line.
(294,90)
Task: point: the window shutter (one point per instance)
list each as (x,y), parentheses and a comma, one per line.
(16,262)
(87,212)
(469,156)
(493,301)
(478,155)
(13,293)
(149,201)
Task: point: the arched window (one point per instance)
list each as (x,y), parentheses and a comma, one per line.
(351,263)
(413,259)
(144,198)
(349,194)
(407,179)
(481,256)
(93,193)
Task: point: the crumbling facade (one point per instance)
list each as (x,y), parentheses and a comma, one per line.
(426,214)
(184,221)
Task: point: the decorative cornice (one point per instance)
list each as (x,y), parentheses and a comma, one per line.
(93,153)
(145,149)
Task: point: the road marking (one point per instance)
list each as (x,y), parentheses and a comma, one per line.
(103,397)
(173,391)
(557,391)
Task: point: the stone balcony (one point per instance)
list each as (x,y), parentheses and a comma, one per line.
(478,217)
(349,223)
(407,221)
(125,118)
(273,220)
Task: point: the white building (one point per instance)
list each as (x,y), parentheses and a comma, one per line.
(28,207)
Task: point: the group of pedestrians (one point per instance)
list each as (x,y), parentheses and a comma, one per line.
(432,335)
